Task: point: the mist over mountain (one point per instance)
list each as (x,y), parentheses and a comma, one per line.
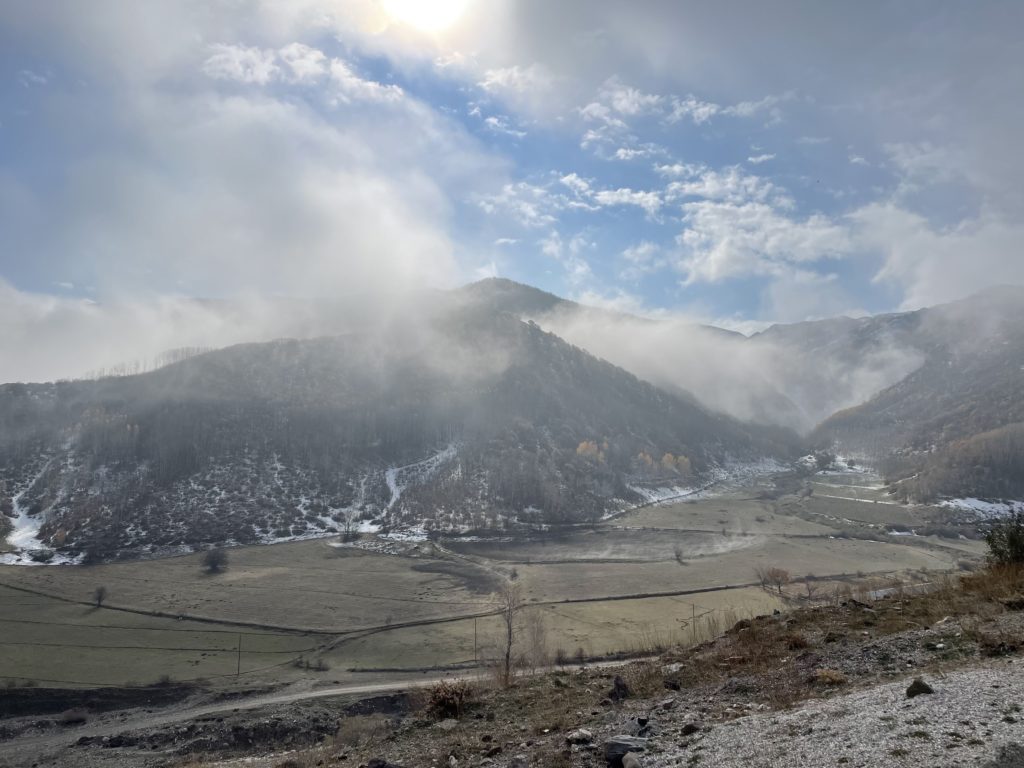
(954,425)
(460,419)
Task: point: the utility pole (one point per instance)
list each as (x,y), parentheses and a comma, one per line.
(238,663)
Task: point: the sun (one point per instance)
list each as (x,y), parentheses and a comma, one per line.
(426,15)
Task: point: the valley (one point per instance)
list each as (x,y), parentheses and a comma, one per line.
(369,610)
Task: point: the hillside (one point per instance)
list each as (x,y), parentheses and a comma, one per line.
(454,420)
(954,422)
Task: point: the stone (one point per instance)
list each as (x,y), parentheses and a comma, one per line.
(631,760)
(448,725)
(519,761)
(493,752)
(616,748)
(580,736)
(380,762)
(918,687)
(690,728)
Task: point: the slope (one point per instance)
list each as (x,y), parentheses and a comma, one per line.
(456,419)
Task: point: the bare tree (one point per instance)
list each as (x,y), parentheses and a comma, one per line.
(510,601)
(778,578)
(811,585)
(215,560)
(99,596)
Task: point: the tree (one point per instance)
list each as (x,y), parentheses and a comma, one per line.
(99,596)
(215,560)
(1006,540)
(811,585)
(778,578)
(510,601)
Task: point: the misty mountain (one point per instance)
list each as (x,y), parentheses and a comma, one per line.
(954,425)
(675,354)
(462,418)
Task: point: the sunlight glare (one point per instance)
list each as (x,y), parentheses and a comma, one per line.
(426,15)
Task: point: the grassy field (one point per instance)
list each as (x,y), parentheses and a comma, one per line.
(373,611)
(57,643)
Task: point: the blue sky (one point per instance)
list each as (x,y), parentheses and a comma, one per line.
(742,163)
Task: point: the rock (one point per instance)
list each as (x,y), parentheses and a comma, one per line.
(918,687)
(691,728)
(453,762)
(616,748)
(666,704)
(619,690)
(380,762)
(580,736)
(493,752)
(448,725)
(519,761)
(631,760)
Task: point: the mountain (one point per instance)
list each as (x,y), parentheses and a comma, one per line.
(675,354)
(457,419)
(955,424)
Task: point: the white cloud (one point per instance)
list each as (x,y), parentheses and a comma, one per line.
(350,87)
(725,240)
(305,64)
(577,184)
(246,64)
(731,184)
(515,80)
(500,125)
(933,265)
(649,201)
(529,204)
(693,109)
(758,159)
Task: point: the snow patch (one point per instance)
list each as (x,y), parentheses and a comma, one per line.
(983,510)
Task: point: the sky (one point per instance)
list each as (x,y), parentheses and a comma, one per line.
(738,162)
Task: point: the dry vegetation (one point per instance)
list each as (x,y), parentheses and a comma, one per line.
(766,662)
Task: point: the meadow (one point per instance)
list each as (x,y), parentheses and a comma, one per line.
(646,579)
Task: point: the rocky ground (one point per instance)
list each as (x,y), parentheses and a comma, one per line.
(818,686)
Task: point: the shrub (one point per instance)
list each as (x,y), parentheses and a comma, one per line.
(75,716)
(215,560)
(1006,540)
(825,676)
(449,698)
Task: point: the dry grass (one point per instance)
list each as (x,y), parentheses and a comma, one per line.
(827,676)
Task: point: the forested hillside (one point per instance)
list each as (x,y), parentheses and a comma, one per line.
(463,419)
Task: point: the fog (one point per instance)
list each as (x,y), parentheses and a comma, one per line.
(770,378)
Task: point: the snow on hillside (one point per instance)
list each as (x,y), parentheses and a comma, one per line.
(983,510)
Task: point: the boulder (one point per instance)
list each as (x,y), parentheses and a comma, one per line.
(580,736)
(616,748)
(631,760)
(918,687)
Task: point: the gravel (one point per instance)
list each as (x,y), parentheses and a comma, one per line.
(973,716)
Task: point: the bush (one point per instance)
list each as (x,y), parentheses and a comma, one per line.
(75,716)
(449,698)
(215,560)
(1006,540)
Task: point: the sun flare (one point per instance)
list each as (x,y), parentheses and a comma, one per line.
(426,15)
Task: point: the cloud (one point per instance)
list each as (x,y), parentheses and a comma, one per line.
(650,202)
(758,159)
(724,240)
(305,64)
(500,125)
(244,64)
(933,265)
(692,108)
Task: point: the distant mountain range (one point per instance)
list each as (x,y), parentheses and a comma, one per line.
(471,409)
